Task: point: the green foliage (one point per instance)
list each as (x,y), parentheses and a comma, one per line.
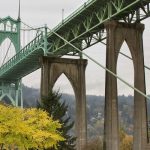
(57,110)
(27,128)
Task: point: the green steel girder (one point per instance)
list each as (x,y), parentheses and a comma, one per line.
(12,91)
(83,28)
(89,20)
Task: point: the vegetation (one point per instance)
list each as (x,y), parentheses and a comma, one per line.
(95,144)
(126,142)
(95,110)
(58,109)
(95,114)
(27,128)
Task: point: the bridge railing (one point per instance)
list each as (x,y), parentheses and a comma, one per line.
(33,45)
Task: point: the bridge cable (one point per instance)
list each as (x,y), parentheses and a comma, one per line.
(148,68)
(6,53)
(96,62)
(31,28)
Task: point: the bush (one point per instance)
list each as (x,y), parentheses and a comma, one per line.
(95,144)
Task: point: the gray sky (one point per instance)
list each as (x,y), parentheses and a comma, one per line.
(37,13)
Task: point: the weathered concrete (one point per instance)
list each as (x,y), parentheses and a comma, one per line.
(74,69)
(117,33)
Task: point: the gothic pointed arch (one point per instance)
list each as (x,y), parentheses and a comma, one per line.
(14,28)
(125,100)
(10,28)
(126,63)
(67,77)
(132,33)
(2,28)
(10,39)
(7,50)
(74,69)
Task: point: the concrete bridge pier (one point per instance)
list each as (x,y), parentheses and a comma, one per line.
(74,69)
(117,33)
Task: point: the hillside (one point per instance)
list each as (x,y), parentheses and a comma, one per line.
(95,110)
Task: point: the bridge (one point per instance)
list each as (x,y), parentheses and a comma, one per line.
(113,21)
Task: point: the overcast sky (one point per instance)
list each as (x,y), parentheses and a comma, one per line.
(38,12)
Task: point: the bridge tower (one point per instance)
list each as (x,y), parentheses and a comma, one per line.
(74,69)
(10,88)
(117,33)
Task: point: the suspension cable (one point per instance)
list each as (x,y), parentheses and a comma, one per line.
(96,62)
(6,54)
(31,28)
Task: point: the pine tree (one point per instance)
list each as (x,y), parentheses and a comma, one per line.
(57,110)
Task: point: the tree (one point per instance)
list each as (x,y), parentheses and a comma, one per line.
(126,141)
(27,128)
(57,110)
(95,144)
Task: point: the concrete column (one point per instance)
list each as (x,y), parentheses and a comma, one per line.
(140,105)
(117,33)
(74,69)
(81,119)
(111,127)
(44,77)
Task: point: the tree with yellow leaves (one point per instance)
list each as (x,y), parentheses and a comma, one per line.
(126,141)
(27,128)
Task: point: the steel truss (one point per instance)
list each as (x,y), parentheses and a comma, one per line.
(87,27)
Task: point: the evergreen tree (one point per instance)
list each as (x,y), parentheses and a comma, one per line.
(57,109)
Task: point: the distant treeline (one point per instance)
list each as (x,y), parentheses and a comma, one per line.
(95,109)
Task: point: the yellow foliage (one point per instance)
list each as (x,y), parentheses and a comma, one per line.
(27,128)
(126,141)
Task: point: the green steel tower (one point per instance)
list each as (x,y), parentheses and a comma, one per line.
(11,89)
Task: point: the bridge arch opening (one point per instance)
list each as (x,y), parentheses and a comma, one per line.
(8,26)
(14,28)
(95,99)
(125,70)
(64,86)
(7,51)
(1,26)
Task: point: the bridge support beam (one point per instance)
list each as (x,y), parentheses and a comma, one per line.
(11,92)
(74,69)
(117,33)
